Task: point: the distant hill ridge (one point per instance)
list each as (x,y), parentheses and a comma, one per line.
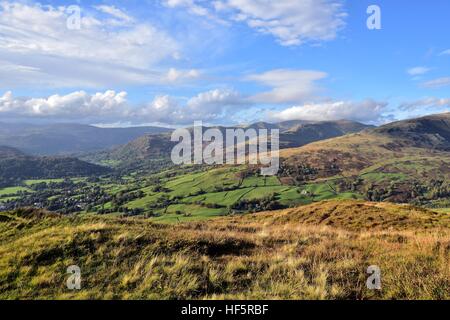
(427,132)
(53,139)
(417,149)
(60,139)
(292,134)
(16,165)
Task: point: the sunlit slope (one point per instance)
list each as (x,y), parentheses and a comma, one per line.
(357,216)
(415,147)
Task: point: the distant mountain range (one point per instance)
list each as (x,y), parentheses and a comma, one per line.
(54,139)
(145,142)
(292,134)
(15,165)
(344,146)
(405,161)
(300,134)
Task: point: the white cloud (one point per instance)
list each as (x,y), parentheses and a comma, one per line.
(100,54)
(115,12)
(215,99)
(437,83)
(174,75)
(192,7)
(430,104)
(288,86)
(212,105)
(445,53)
(110,106)
(368,111)
(291,22)
(76,105)
(417,71)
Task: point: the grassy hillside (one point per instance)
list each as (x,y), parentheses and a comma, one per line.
(291,254)
(424,136)
(302,134)
(406,161)
(428,132)
(359,216)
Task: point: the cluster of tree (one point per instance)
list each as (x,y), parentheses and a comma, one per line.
(65,184)
(256,205)
(298,173)
(125,197)
(353,184)
(439,189)
(225,188)
(416,192)
(163,202)
(9,181)
(63,197)
(248,172)
(159,188)
(124,210)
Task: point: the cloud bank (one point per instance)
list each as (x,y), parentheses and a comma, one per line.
(368,111)
(291,22)
(110,48)
(111,106)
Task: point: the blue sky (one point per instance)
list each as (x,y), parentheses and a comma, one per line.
(226,61)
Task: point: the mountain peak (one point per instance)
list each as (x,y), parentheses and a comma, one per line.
(431,131)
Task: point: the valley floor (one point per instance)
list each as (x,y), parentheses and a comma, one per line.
(318,251)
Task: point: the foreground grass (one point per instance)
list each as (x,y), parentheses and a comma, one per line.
(276,255)
(442,210)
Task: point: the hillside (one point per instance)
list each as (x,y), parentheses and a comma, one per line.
(15,165)
(292,134)
(147,147)
(54,139)
(358,216)
(431,132)
(301,134)
(405,161)
(275,255)
(416,138)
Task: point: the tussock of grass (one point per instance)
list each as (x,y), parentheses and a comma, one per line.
(359,215)
(266,256)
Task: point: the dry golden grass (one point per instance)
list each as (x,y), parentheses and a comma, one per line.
(275,255)
(355,152)
(359,216)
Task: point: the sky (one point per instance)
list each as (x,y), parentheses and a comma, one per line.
(173,62)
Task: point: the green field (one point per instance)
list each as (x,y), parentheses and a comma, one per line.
(38,181)
(6,199)
(201,195)
(198,193)
(181,212)
(13,190)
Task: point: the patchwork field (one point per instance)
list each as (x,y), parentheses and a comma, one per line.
(191,194)
(214,192)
